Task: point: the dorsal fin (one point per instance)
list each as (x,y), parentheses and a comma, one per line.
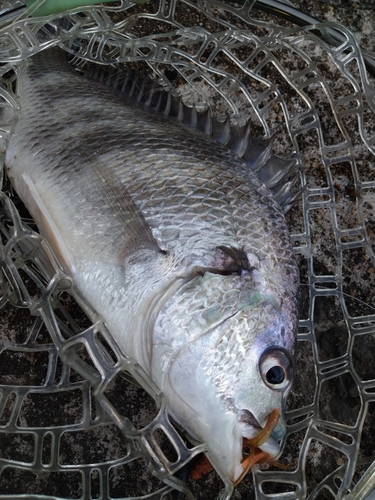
(240,140)
(256,152)
(221,131)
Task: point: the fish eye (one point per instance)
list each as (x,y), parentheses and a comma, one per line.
(275,375)
(276,369)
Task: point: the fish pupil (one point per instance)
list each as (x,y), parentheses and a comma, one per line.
(275,375)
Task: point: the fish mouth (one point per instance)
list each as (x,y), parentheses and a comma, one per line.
(252,444)
(261,448)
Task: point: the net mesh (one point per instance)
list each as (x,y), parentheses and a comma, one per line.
(64,383)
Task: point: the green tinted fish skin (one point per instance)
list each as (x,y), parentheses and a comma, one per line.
(173,240)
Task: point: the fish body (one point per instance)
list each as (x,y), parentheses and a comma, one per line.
(173,240)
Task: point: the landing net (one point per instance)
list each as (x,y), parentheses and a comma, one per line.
(77,418)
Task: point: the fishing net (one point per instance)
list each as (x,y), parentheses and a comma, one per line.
(80,420)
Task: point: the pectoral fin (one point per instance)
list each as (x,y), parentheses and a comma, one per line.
(136,233)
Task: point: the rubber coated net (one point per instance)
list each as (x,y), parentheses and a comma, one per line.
(78,419)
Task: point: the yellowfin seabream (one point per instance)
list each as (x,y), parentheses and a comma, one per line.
(174,240)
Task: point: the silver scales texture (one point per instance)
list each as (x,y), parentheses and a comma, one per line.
(149,154)
(310,423)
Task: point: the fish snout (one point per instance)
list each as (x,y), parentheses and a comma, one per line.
(265,438)
(258,444)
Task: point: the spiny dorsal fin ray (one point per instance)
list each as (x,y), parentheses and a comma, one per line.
(240,140)
(273,173)
(259,153)
(287,200)
(204,122)
(221,131)
(256,152)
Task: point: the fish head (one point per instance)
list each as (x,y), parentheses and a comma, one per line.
(227,349)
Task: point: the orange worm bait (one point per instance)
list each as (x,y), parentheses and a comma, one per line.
(203,466)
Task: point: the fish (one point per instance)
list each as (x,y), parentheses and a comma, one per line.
(175,241)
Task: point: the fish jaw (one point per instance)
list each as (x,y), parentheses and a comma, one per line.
(227,454)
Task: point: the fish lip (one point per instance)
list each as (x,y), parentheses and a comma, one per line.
(247,417)
(271,446)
